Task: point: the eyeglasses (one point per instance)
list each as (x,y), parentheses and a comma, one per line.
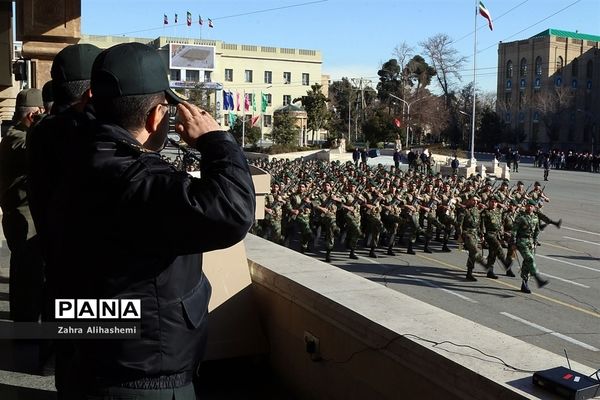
(159,104)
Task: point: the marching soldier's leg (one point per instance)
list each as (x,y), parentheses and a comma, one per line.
(393,229)
(494,250)
(470,243)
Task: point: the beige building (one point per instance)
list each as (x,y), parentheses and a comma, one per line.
(549,90)
(231,73)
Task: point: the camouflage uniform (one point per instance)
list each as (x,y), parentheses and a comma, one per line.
(470,233)
(273,218)
(492,222)
(326,208)
(525,231)
(352,220)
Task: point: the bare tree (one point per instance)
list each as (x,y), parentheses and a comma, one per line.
(446,61)
(552,105)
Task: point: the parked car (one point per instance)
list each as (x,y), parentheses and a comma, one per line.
(374,153)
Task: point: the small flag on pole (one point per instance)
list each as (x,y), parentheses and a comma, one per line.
(397,122)
(246,101)
(253,102)
(264,102)
(166,20)
(254,119)
(200,20)
(175,18)
(189,19)
(210,24)
(486,14)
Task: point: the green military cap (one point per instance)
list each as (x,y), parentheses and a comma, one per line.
(129,69)
(30,98)
(537,184)
(520,183)
(73,63)
(532,202)
(47,94)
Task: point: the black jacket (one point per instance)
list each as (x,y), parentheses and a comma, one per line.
(125,224)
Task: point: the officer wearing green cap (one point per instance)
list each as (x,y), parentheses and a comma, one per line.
(525,231)
(26,276)
(132,226)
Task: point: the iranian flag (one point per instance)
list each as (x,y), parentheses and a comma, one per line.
(486,14)
(189,19)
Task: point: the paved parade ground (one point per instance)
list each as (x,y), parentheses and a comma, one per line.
(565,315)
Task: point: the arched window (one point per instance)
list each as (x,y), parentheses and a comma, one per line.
(589,69)
(509,69)
(523,69)
(538,66)
(575,68)
(559,65)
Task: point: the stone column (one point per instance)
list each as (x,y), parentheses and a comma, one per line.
(46,27)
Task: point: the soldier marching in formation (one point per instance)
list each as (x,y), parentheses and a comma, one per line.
(313,202)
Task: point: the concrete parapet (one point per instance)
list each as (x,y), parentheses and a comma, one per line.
(376,343)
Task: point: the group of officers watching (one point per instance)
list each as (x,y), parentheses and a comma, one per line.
(92,211)
(386,207)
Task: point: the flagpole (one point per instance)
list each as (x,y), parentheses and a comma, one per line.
(473,161)
(244,120)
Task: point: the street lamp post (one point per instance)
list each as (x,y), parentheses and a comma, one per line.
(408,113)
(463,136)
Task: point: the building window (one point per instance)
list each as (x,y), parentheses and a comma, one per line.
(305,79)
(248,75)
(287,99)
(268,76)
(509,70)
(523,68)
(559,65)
(175,74)
(192,76)
(522,99)
(538,66)
(589,69)
(269,99)
(228,75)
(287,78)
(575,68)
(207,76)
(267,120)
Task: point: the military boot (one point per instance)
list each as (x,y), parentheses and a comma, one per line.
(557,223)
(390,252)
(426,248)
(328,256)
(353,255)
(525,287)
(491,274)
(540,282)
(372,253)
(445,246)
(470,276)
(410,249)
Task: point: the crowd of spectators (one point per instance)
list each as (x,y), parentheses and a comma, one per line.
(569,160)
